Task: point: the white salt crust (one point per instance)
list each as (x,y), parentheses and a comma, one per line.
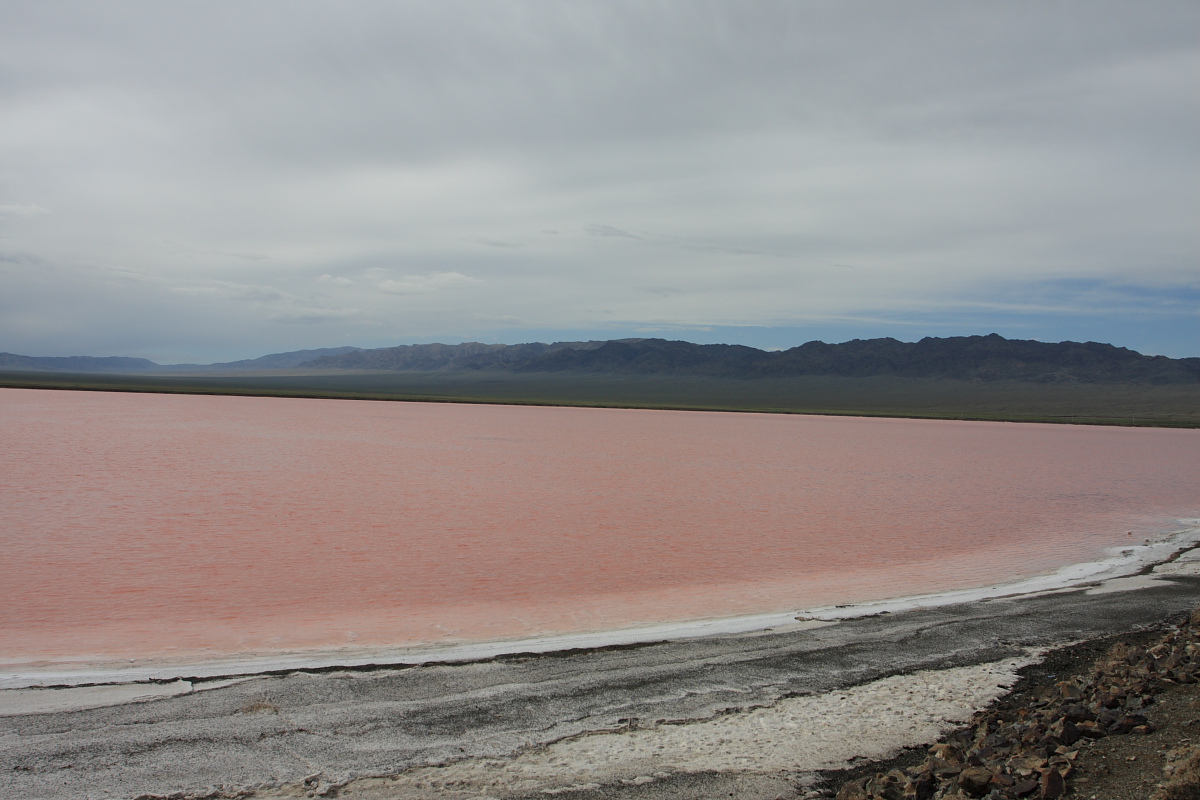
(795,735)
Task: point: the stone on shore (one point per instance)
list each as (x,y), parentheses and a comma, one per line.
(1030,751)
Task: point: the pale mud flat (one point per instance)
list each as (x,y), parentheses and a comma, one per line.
(795,736)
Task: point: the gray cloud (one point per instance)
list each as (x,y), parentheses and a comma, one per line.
(310,316)
(675,166)
(21,210)
(609,230)
(233,291)
(426,284)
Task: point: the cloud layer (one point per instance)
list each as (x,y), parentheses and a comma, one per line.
(203,181)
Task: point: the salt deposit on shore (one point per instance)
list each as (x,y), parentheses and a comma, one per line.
(796,735)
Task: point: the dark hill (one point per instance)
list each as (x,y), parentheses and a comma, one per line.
(11,361)
(118,364)
(987,358)
(974,358)
(287,360)
(469,355)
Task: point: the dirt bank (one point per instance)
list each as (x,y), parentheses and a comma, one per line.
(1115,718)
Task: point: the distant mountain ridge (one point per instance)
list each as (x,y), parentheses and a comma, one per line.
(977,358)
(288,360)
(11,361)
(990,357)
(469,355)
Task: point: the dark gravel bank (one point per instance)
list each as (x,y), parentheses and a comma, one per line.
(1110,718)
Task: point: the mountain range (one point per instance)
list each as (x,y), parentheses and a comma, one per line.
(986,358)
(120,364)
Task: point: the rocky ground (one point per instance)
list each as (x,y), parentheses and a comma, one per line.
(1121,726)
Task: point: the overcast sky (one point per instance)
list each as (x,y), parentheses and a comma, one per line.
(203,181)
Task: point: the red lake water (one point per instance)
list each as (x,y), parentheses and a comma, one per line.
(142,526)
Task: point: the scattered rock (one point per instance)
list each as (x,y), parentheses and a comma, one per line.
(975,781)
(1053,785)
(1030,751)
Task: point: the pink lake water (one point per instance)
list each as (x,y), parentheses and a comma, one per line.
(142,526)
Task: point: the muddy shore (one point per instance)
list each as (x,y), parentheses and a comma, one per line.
(757,715)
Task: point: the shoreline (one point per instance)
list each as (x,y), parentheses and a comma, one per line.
(687,718)
(1122,569)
